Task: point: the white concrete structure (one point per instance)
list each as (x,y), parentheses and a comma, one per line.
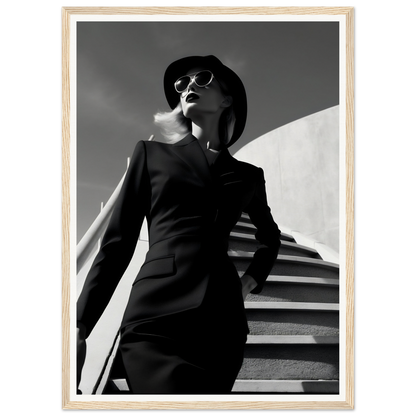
(301,165)
(101,339)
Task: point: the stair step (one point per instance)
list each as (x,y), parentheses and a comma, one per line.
(249,228)
(116,386)
(290,265)
(303,306)
(249,255)
(246,242)
(293,318)
(286,292)
(291,339)
(245,218)
(286,386)
(302,280)
(290,361)
(276,361)
(119,386)
(293,322)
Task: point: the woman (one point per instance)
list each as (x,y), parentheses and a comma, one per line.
(184,327)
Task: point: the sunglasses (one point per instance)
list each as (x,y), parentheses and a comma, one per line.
(201,79)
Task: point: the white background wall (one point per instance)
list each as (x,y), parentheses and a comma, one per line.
(301,167)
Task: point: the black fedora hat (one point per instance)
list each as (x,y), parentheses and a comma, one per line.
(234,86)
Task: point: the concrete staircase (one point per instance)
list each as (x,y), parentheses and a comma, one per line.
(293,346)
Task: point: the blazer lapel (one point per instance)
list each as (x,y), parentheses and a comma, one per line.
(224,168)
(189,150)
(230,190)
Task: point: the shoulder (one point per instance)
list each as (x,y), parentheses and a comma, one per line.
(154,154)
(150,146)
(248,168)
(150,143)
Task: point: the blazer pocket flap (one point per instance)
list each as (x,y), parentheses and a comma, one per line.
(237,181)
(230,178)
(160,267)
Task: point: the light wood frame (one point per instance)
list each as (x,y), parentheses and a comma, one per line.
(348,12)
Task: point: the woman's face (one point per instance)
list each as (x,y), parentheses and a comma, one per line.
(199,101)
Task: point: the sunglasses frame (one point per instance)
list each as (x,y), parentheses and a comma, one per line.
(192,77)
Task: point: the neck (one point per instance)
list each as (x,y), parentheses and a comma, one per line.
(205,132)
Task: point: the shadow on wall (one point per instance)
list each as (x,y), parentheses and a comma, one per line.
(301,166)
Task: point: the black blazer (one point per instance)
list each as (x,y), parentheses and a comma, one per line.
(190,208)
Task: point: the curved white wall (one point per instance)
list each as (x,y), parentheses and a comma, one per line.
(301,165)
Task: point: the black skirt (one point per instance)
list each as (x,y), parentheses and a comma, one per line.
(199,351)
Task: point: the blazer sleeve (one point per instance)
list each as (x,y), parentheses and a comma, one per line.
(118,243)
(268,234)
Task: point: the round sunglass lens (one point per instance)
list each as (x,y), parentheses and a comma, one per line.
(203,78)
(181,84)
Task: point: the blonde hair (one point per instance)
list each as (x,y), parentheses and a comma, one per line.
(175,126)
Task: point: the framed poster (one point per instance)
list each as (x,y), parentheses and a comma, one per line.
(296,65)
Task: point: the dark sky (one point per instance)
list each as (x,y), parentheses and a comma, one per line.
(289,69)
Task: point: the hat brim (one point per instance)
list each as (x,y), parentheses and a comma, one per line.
(230,78)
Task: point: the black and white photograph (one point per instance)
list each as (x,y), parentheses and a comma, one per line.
(208,158)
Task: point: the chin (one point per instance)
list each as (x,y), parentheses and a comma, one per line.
(188,111)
